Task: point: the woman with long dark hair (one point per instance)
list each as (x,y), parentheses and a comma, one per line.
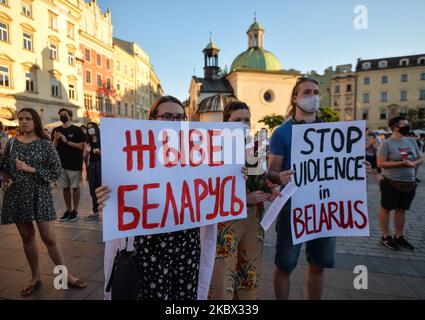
(170,261)
(30,164)
(94,175)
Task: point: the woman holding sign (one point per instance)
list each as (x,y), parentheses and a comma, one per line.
(30,164)
(170,261)
(238,260)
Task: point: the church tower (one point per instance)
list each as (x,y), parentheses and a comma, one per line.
(211,68)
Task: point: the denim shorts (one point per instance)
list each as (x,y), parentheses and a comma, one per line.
(319,252)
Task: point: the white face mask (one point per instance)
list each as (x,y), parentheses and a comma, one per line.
(310,104)
(91,131)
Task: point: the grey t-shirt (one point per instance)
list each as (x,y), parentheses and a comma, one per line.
(398,150)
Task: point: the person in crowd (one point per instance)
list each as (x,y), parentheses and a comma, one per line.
(238,262)
(372,144)
(398,156)
(93,155)
(3,133)
(85,155)
(418,141)
(304,105)
(30,164)
(170,250)
(3,142)
(69,141)
(422,138)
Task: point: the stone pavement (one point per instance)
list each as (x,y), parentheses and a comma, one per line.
(391,275)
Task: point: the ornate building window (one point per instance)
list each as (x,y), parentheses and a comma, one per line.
(71,91)
(30,81)
(55,87)
(71,58)
(27,37)
(383,113)
(383,64)
(53,21)
(4,76)
(4,31)
(87,54)
(27,8)
(53,51)
(71,31)
(404,62)
(88,76)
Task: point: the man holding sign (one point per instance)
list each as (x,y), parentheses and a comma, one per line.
(326,163)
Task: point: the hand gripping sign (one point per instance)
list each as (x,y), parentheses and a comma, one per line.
(168,176)
(328,160)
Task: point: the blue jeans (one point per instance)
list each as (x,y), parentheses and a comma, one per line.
(320,252)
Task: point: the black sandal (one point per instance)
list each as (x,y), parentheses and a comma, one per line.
(27,291)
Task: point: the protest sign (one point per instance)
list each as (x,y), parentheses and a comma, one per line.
(168,176)
(328,160)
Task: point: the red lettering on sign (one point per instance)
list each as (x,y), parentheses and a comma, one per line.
(212,148)
(123,209)
(147,206)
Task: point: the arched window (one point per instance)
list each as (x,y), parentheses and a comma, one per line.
(404,62)
(383,64)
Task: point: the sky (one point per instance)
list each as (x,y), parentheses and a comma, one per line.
(304,34)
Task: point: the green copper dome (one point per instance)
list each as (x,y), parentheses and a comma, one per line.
(257,59)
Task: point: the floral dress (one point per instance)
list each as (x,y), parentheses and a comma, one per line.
(30,198)
(238,261)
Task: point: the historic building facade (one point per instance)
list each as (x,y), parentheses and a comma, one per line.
(97,52)
(56,54)
(136,83)
(387,87)
(256,77)
(343,86)
(39,64)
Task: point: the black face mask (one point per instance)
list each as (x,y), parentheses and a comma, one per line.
(64,119)
(404,130)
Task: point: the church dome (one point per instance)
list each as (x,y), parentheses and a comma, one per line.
(257,59)
(215,103)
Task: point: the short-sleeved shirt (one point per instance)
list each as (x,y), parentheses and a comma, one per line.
(280,143)
(399,150)
(71,158)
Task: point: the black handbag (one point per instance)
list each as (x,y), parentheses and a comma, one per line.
(125,279)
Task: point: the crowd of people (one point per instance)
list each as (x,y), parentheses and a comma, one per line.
(33,160)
